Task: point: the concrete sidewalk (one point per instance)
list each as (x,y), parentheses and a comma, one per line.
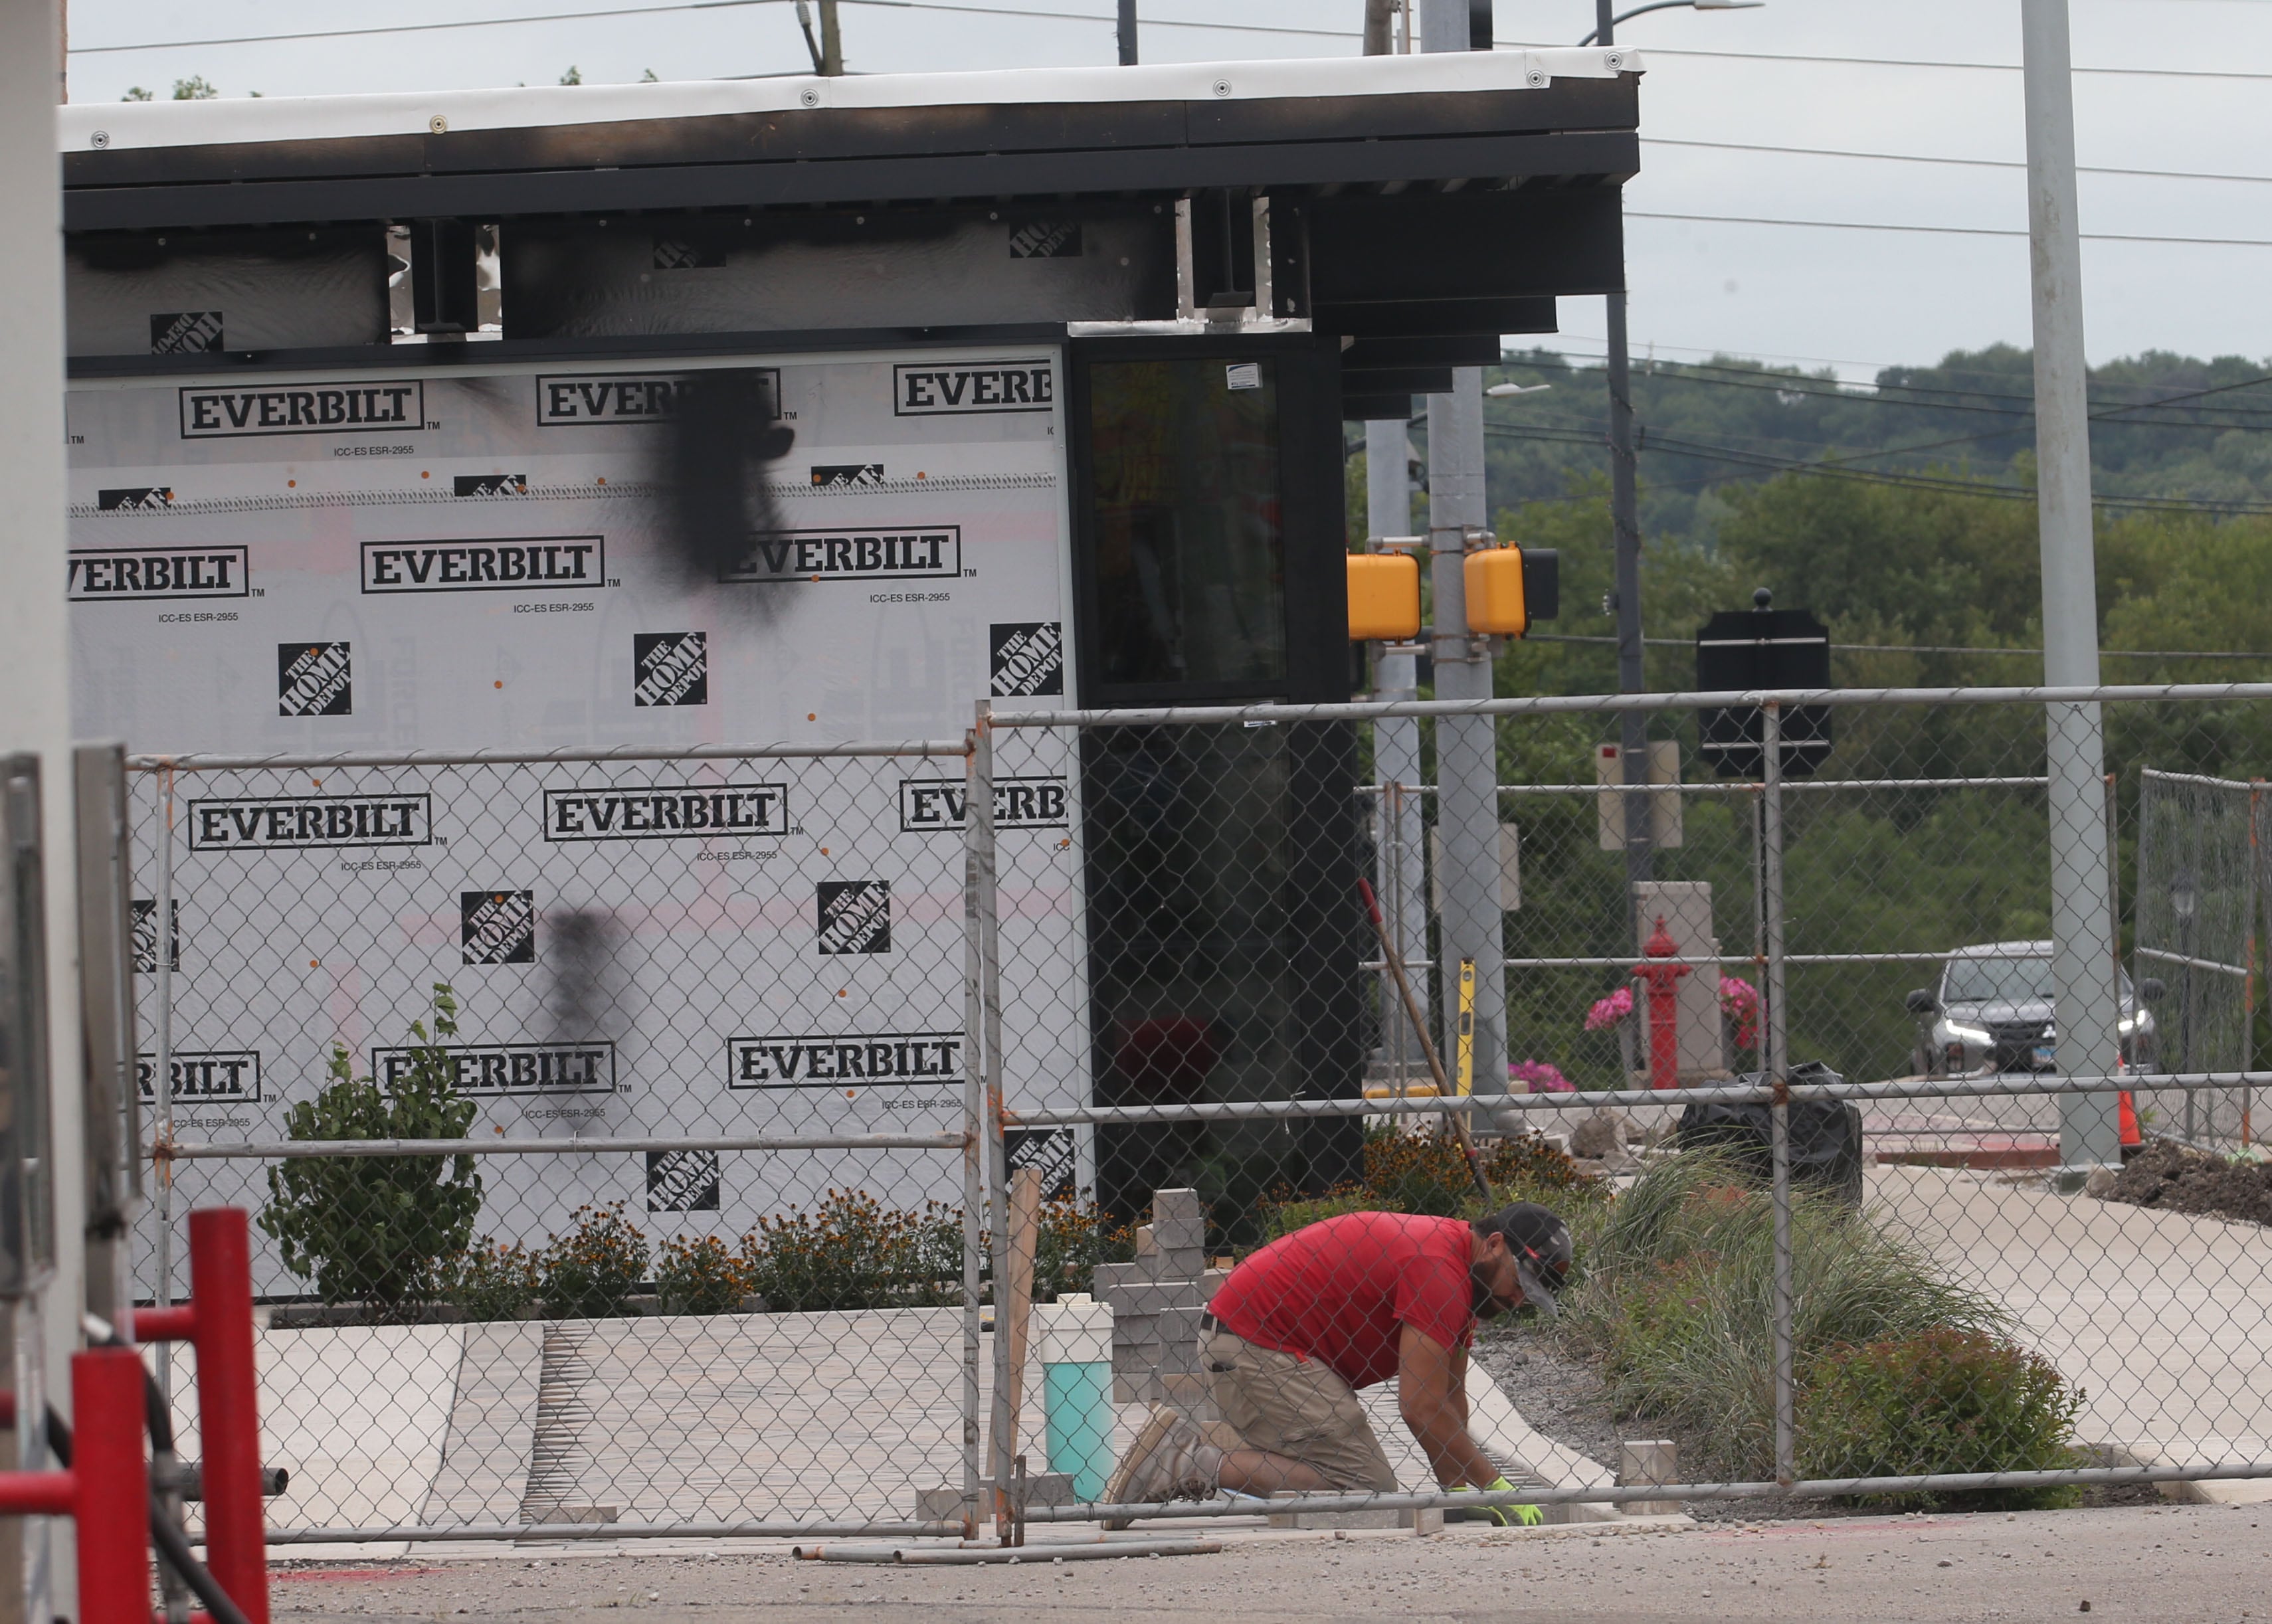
(2177,1563)
(2164,1321)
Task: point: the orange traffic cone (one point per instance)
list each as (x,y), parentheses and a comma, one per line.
(2131,1140)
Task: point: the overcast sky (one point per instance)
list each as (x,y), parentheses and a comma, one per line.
(1858,298)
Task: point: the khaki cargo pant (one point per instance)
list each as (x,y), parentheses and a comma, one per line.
(1295,1407)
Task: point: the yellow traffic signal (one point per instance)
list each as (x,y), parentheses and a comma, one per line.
(1509,588)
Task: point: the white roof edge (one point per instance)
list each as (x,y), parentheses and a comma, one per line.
(124,125)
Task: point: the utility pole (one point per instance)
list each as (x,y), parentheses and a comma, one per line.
(1471,928)
(1396,739)
(2083,944)
(1625,525)
(1379,21)
(831,41)
(34,667)
(1127,33)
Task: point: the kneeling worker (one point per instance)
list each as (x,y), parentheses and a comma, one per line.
(1333,1307)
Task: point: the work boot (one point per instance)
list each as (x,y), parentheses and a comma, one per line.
(1170,1460)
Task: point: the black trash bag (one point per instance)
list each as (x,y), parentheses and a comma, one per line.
(1826,1136)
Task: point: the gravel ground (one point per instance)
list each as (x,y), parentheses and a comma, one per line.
(1563,1398)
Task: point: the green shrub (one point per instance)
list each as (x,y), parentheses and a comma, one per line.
(1428,1172)
(854,1253)
(379,1230)
(492,1281)
(591,1271)
(701,1276)
(1676,1301)
(1947,1401)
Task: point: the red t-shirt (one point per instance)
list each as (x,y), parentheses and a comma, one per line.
(1338,1291)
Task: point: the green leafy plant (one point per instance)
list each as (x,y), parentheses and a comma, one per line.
(590,1272)
(701,1275)
(379,1230)
(1676,1302)
(852,1252)
(1428,1172)
(1947,1401)
(492,1281)
(1074,1237)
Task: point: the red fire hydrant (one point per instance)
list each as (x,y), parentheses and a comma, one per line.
(1663,984)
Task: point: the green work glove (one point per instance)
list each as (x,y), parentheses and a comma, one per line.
(1512,1517)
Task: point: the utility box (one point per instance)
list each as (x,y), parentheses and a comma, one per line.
(1685,907)
(1664,812)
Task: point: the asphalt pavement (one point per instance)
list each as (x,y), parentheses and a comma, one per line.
(2163,1563)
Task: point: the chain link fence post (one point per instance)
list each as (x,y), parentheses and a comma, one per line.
(977,904)
(978,816)
(1778,1070)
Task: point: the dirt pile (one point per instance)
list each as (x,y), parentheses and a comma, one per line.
(2177,1179)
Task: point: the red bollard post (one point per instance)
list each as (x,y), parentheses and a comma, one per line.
(221,1294)
(112,1478)
(1663,1007)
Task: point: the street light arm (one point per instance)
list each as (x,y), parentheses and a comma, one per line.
(1622,17)
(1667,5)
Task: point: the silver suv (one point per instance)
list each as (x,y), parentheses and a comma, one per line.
(1993,1012)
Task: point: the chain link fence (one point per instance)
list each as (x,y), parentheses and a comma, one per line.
(741,1079)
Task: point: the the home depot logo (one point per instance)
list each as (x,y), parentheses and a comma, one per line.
(303,408)
(698,812)
(847,475)
(850,556)
(855,916)
(491,484)
(130,498)
(1049,1151)
(625,397)
(931,804)
(1045,238)
(682,1181)
(1026,658)
(314,679)
(113,575)
(512,564)
(670,667)
(834,1062)
(286,821)
(145,935)
(504,1069)
(186,332)
(231,1075)
(497,928)
(927,391)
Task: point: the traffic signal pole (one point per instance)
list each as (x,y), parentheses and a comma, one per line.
(2083,944)
(1467,747)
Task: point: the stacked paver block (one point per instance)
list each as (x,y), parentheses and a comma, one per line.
(1156,1304)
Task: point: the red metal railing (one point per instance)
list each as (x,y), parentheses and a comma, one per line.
(217,1321)
(107,1489)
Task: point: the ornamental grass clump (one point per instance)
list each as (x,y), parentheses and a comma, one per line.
(1676,1299)
(591,1272)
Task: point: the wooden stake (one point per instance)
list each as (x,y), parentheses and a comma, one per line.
(1456,1118)
(1013,1308)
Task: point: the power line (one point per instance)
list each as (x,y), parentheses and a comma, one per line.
(1969,163)
(1950,231)
(1972,67)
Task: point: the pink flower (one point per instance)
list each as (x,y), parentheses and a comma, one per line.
(1617,1007)
(1739,1002)
(1541,1077)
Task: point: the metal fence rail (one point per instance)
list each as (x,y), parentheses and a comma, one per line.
(665,1236)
